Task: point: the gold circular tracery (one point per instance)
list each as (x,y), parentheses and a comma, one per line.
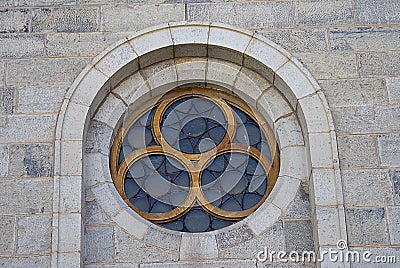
(195,163)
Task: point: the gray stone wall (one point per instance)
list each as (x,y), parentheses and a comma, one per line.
(352,47)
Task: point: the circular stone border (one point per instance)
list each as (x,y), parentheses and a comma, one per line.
(245,51)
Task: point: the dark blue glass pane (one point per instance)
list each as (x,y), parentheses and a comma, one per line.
(197,221)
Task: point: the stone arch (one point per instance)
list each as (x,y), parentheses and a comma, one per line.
(243,49)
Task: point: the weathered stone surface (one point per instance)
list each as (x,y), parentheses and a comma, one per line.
(272,239)
(36,72)
(98,138)
(163,239)
(384,252)
(65,19)
(40,99)
(4,162)
(372,12)
(367,187)
(357,151)
(126,244)
(26,262)
(92,212)
(99,244)
(26,196)
(80,44)
(21,46)
(133,18)
(393,87)
(34,235)
(33,160)
(310,40)
(118,265)
(28,128)
(43,2)
(14,20)
(1,73)
(365,38)
(354,92)
(394,223)
(379,63)
(298,235)
(235,236)
(300,206)
(7,100)
(7,226)
(389,150)
(247,15)
(330,65)
(200,246)
(323,12)
(367,119)
(395,175)
(366,226)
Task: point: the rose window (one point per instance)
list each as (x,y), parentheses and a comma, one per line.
(196,161)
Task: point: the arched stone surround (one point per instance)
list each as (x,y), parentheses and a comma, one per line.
(217,56)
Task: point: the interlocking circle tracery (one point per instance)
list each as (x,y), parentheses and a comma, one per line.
(197,161)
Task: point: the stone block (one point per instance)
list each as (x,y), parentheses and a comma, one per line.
(366,226)
(96,169)
(69,233)
(134,224)
(291,167)
(234,236)
(7,226)
(323,181)
(330,65)
(40,99)
(132,88)
(263,218)
(393,214)
(272,239)
(118,265)
(389,150)
(249,85)
(191,70)
(33,160)
(80,44)
(366,119)
(37,196)
(93,214)
(110,112)
(198,247)
(393,88)
(162,238)
(367,188)
(108,198)
(7,101)
(134,18)
(14,20)
(372,12)
(274,104)
(1,73)
(314,114)
(66,19)
(379,63)
(68,259)
(327,221)
(321,150)
(184,36)
(4,160)
(27,262)
(29,128)
(298,235)
(36,71)
(365,38)
(221,73)
(246,15)
(34,235)
(342,93)
(357,152)
(310,40)
(395,176)
(300,206)
(126,244)
(21,46)
(99,244)
(98,138)
(70,189)
(71,158)
(325,12)
(388,253)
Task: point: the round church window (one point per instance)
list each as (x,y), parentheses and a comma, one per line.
(196,161)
